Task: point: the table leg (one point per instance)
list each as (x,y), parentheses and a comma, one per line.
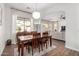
(22,49)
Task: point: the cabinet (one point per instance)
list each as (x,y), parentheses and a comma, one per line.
(59,35)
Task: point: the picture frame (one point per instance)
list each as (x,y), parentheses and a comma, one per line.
(0,16)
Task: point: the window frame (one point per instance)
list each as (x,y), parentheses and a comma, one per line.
(24,20)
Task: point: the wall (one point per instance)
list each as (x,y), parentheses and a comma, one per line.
(2,30)
(6,27)
(77,44)
(8,22)
(72,13)
(71,23)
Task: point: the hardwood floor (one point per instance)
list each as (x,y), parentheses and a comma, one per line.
(60,50)
(8,50)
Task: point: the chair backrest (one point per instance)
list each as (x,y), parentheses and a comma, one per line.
(45,33)
(35,42)
(33,32)
(35,35)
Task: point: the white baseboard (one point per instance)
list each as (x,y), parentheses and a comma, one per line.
(72,48)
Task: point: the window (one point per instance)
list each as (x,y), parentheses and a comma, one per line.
(45,25)
(23,25)
(28,26)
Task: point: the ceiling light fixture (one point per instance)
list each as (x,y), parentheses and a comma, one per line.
(36,14)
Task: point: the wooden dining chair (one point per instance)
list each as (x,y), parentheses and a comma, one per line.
(19,42)
(35,45)
(45,35)
(35,42)
(44,40)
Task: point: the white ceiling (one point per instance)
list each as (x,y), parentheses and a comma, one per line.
(54,16)
(32,6)
(42,7)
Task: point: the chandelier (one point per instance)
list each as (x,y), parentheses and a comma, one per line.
(36,14)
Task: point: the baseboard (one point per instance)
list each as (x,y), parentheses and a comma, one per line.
(72,48)
(58,39)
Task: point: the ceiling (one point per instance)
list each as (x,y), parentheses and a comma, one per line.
(29,7)
(54,16)
(41,7)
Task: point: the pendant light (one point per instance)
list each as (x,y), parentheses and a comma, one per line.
(36,14)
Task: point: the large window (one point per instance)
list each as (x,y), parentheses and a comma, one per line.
(23,25)
(45,26)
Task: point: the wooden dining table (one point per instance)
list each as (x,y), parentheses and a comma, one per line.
(29,38)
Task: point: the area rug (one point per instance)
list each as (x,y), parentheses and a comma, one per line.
(36,51)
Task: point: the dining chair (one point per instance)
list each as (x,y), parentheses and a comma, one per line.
(35,42)
(35,45)
(44,40)
(19,44)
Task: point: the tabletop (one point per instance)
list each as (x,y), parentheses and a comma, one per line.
(28,37)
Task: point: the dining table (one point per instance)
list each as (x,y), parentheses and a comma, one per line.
(29,38)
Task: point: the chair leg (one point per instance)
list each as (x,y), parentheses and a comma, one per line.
(18,50)
(39,48)
(28,49)
(32,51)
(42,47)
